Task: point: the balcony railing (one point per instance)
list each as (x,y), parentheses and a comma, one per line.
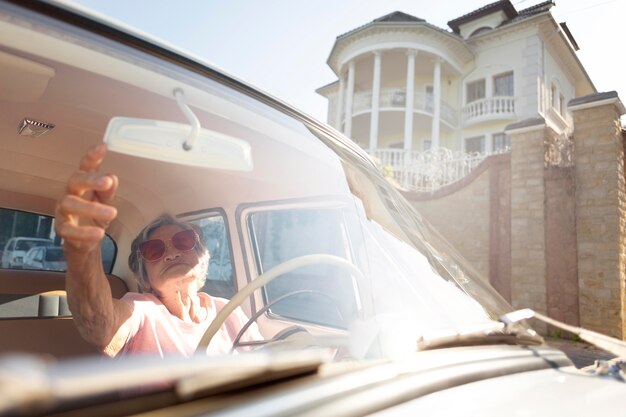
(396,99)
(427,170)
(488,108)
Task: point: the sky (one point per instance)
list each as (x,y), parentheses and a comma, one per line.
(281,46)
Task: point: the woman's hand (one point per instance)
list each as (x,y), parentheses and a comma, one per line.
(84,212)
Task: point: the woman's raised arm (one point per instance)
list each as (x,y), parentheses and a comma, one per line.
(82,215)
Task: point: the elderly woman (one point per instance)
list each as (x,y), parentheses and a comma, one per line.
(169,260)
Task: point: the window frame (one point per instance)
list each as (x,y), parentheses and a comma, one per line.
(504,76)
(470,84)
(480,137)
(497,136)
(192,216)
(13,239)
(252,259)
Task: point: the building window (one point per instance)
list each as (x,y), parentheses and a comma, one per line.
(475,145)
(427,144)
(562,105)
(475,90)
(503,84)
(553,95)
(501,142)
(429,98)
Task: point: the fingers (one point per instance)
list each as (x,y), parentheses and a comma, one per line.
(82,223)
(82,182)
(75,235)
(93,158)
(85,211)
(71,205)
(106,195)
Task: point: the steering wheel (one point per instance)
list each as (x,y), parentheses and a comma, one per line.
(264,279)
(266,307)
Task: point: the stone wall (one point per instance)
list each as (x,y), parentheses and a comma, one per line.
(562,293)
(474,218)
(547,223)
(528,261)
(600,213)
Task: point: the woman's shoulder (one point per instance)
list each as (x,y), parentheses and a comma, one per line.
(209,300)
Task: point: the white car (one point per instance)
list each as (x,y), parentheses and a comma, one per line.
(363,309)
(46,258)
(16,248)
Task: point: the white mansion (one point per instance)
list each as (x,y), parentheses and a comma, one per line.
(405,86)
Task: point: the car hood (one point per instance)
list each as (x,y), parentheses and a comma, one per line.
(495,379)
(548,392)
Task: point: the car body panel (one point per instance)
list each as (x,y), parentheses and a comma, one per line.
(548,392)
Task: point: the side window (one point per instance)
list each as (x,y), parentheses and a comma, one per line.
(501,142)
(24,234)
(219,279)
(503,84)
(475,90)
(475,145)
(320,294)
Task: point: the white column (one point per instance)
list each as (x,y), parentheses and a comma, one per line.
(488,94)
(349,98)
(434,139)
(410,98)
(339,111)
(375,102)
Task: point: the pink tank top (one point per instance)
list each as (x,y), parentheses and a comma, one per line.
(154,330)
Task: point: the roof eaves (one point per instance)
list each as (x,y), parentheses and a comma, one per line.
(326,87)
(398,24)
(569,35)
(398,16)
(504,5)
(537,8)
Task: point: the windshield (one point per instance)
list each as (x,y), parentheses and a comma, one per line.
(233,223)
(54,255)
(187,227)
(280,190)
(25,245)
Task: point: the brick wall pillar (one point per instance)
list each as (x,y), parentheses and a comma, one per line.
(528,223)
(600,212)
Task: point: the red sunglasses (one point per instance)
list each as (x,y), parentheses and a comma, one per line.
(154,249)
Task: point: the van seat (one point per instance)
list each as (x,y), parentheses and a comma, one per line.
(35,318)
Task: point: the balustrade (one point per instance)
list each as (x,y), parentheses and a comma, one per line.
(426,170)
(396,98)
(489,107)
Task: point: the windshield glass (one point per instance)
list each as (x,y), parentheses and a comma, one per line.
(25,245)
(54,255)
(272,196)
